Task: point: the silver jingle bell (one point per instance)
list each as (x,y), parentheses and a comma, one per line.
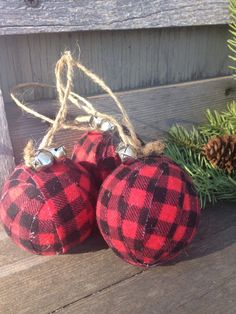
(125,152)
(42,160)
(58,152)
(101,124)
(45,157)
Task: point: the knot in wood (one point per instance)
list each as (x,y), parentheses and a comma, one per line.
(32,3)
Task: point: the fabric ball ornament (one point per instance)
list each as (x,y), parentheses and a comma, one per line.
(148,211)
(96,152)
(49,211)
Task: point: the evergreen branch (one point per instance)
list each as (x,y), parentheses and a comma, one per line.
(185,148)
(232,29)
(220,123)
(212,184)
(183,138)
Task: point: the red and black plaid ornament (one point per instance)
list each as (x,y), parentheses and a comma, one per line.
(96,152)
(148,211)
(49,211)
(101,151)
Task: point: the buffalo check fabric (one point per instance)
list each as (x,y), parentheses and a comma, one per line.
(50,211)
(148,211)
(96,152)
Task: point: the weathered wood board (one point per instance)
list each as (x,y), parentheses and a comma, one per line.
(125,59)
(95,280)
(152,110)
(6,153)
(70,15)
(204,283)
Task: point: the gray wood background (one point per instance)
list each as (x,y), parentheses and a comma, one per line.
(124,59)
(60,15)
(95,281)
(152,111)
(6,153)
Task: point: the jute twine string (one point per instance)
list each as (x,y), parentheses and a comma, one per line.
(58,123)
(83,103)
(14,92)
(65,94)
(63,99)
(76,99)
(29,151)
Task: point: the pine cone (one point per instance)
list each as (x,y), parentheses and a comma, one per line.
(221,152)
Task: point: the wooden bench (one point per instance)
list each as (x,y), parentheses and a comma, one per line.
(168,61)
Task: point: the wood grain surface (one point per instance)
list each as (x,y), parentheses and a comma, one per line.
(190,286)
(6,153)
(152,110)
(95,281)
(70,15)
(124,59)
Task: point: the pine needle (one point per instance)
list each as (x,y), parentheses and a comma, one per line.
(185,148)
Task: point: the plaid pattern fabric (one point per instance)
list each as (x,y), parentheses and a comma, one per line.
(148,211)
(96,152)
(50,211)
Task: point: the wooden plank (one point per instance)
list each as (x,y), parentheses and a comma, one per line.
(61,15)
(6,154)
(57,280)
(204,283)
(125,59)
(185,103)
(152,110)
(211,299)
(97,278)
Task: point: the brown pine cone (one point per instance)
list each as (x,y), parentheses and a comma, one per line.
(221,152)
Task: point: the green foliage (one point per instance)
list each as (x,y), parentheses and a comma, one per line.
(232,30)
(191,139)
(185,148)
(220,123)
